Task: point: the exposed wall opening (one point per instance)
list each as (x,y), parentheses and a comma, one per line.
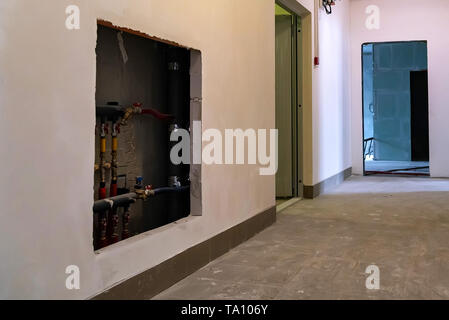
(146,90)
(395,108)
(288,103)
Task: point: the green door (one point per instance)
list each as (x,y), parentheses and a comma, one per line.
(287,114)
(284,175)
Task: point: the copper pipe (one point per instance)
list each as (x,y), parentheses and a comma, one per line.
(130,111)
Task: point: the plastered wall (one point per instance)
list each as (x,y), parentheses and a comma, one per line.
(332,95)
(47,98)
(418,20)
(326,89)
(47,124)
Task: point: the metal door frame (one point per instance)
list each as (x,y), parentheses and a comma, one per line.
(297,112)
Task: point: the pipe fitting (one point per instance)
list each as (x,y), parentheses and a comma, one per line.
(107,165)
(129,112)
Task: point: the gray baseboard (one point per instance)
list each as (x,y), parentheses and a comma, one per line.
(311,192)
(155,280)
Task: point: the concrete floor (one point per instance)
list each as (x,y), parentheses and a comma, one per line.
(319,249)
(396,165)
(280,201)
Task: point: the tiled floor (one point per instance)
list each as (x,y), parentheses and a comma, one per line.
(320,249)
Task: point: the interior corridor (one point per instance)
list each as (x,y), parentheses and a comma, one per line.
(162,149)
(320,249)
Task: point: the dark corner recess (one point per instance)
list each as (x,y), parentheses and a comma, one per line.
(419,115)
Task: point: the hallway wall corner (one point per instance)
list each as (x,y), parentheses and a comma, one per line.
(311,192)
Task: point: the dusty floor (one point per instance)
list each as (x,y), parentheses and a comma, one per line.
(280,201)
(397,165)
(319,249)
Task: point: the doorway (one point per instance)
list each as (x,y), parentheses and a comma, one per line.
(395,108)
(288,99)
(419,115)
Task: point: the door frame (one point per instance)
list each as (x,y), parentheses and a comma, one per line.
(363,92)
(297,103)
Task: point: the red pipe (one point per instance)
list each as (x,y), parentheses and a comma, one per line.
(102,241)
(157,114)
(102,193)
(113,191)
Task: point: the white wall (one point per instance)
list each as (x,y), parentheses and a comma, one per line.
(326,112)
(332,95)
(47,123)
(47,127)
(407,21)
